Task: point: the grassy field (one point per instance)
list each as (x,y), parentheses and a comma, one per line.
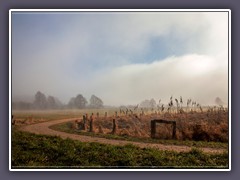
(60,114)
(40,151)
(48,115)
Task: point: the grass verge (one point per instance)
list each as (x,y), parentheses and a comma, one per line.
(41,151)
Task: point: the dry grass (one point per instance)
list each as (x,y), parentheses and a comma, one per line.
(193,125)
(199,126)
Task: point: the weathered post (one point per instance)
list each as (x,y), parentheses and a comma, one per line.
(153,129)
(84,122)
(84,119)
(91,123)
(105,115)
(97,114)
(114,127)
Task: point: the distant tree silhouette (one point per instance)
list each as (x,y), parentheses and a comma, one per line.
(152,103)
(148,103)
(51,102)
(95,102)
(40,101)
(22,105)
(71,103)
(79,102)
(218,101)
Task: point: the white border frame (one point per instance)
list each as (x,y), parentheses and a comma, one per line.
(119,10)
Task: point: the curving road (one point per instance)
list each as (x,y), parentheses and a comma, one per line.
(43,128)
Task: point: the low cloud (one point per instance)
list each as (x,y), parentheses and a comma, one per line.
(191,76)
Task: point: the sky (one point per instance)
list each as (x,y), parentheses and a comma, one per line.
(121,57)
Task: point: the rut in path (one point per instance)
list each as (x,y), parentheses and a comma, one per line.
(43,128)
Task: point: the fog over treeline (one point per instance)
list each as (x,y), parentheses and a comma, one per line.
(49,102)
(43,102)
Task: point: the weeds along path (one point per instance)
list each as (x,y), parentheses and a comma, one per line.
(43,128)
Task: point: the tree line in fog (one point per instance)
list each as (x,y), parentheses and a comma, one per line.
(41,102)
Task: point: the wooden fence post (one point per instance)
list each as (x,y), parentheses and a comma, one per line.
(91,124)
(153,129)
(114,127)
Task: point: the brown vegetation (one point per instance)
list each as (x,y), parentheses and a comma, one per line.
(198,126)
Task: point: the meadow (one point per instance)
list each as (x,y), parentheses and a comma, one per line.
(193,125)
(195,129)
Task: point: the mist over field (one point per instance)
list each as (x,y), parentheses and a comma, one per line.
(121,57)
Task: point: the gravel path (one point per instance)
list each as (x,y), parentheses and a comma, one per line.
(43,128)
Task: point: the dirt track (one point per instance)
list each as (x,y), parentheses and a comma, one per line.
(43,128)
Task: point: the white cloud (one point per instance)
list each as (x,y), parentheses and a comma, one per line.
(191,76)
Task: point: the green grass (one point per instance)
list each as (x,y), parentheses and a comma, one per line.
(65,127)
(38,151)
